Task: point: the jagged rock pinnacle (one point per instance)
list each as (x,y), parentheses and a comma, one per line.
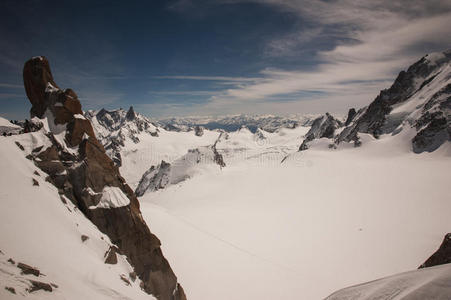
(130,116)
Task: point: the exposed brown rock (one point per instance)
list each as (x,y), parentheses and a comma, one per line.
(82,178)
(26,269)
(132,276)
(111,256)
(125,279)
(20,146)
(441,256)
(76,130)
(37,149)
(36,76)
(10,289)
(11,261)
(38,285)
(35,182)
(84,238)
(71,102)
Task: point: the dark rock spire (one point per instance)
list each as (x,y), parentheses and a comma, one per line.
(130,116)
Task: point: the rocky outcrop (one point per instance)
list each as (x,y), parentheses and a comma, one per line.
(217,157)
(39,285)
(26,269)
(157,177)
(322,127)
(351,115)
(434,125)
(165,174)
(76,163)
(419,97)
(198,130)
(130,116)
(441,256)
(259,137)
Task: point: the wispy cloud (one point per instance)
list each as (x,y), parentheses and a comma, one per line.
(292,44)
(184,93)
(210,78)
(375,40)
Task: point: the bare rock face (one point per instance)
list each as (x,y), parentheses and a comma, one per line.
(111,256)
(37,76)
(157,177)
(165,174)
(130,116)
(113,128)
(351,115)
(323,126)
(441,256)
(85,177)
(434,125)
(425,84)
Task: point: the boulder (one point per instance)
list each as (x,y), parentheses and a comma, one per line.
(111,256)
(38,285)
(10,289)
(198,130)
(26,269)
(322,127)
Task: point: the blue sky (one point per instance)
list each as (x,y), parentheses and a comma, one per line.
(216,57)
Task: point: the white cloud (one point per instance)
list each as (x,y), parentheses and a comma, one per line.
(383,38)
(183,93)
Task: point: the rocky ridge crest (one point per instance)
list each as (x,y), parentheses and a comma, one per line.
(76,163)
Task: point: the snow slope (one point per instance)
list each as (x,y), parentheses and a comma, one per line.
(260,147)
(323,220)
(169,146)
(38,229)
(189,165)
(429,283)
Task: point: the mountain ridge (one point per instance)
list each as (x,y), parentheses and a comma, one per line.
(76,163)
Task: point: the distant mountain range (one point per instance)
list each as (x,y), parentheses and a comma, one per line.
(269,123)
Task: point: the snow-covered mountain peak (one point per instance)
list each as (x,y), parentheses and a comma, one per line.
(418,103)
(114,127)
(113,120)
